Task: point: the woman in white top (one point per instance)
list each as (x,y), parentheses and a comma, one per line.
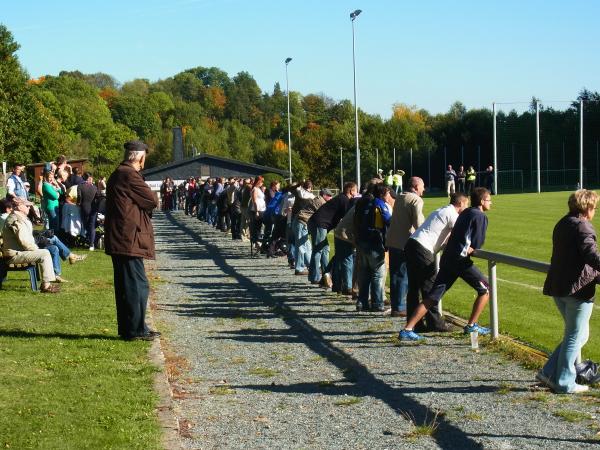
(257,208)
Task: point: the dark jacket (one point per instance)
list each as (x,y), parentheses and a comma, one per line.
(129,204)
(86,197)
(330,214)
(575,261)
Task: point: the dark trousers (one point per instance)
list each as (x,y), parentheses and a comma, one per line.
(131,295)
(88,220)
(236,221)
(420,264)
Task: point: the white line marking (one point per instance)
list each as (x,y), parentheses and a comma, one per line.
(516,283)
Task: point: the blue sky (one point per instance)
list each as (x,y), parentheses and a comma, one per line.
(427,53)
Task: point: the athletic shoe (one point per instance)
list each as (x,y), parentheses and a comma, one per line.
(579,389)
(476,327)
(398,313)
(543,378)
(409,335)
(73,258)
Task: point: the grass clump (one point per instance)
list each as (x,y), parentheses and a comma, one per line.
(426,429)
(348,400)
(221,390)
(263,372)
(572,416)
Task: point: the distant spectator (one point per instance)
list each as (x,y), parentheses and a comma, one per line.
(450,180)
(15,184)
(87,201)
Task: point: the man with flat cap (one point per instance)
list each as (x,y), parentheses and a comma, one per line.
(129,239)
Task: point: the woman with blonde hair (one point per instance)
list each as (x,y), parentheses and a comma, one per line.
(571,281)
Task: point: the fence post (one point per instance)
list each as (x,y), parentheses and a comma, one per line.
(493,299)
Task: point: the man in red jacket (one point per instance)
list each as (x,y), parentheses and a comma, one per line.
(129,238)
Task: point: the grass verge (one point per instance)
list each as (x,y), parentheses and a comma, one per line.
(67,380)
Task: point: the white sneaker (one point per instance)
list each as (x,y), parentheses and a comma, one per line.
(579,388)
(91,248)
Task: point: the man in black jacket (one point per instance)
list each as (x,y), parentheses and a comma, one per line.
(86,199)
(321,222)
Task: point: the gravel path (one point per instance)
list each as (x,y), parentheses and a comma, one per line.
(261,359)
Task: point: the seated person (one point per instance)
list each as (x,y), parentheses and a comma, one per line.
(19,245)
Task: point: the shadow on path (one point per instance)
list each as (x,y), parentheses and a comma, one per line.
(447,436)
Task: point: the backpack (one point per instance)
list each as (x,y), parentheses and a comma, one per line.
(364,224)
(274,206)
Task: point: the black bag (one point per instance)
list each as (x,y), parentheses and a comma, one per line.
(587,372)
(42,238)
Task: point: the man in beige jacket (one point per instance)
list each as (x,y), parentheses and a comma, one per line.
(19,245)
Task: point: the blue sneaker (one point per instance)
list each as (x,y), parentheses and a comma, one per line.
(476,327)
(409,335)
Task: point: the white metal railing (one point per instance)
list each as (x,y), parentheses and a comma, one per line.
(495,258)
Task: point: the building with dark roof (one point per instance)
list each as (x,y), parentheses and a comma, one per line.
(206,166)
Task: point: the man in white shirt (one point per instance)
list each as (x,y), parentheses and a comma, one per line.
(420,251)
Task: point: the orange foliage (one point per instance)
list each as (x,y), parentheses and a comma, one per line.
(407,113)
(108,95)
(217,97)
(279,145)
(39,80)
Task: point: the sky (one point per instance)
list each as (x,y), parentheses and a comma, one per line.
(423,53)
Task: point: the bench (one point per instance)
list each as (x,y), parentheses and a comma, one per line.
(31,269)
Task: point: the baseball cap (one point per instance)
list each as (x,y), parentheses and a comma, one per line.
(20,201)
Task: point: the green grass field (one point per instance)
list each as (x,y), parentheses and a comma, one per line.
(521,225)
(67,381)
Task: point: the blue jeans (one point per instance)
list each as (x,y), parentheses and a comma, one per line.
(560,367)
(63,250)
(54,253)
(371,278)
(53,219)
(211,218)
(320,253)
(342,267)
(398,279)
(302,243)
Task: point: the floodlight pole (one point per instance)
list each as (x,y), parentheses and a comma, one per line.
(581,144)
(411,163)
(353,16)
(341,168)
(537,145)
(394,159)
(377,160)
(495,151)
(287,88)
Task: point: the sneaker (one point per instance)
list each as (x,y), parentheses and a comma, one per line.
(476,327)
(91,248)
(301,272)
(59,279)
(579,389)
(381,310)
(544,379)
(409,335)
(73,258)
(398,314)
(326,281)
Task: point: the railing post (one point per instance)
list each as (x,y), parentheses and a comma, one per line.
(437,269)
(493,298)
